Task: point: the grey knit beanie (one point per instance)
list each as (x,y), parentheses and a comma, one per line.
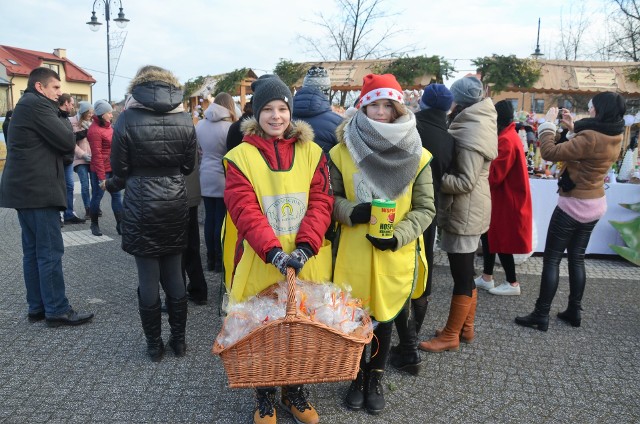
(467,91)
(84,106)
(101,107)
(267,88)
(317,77)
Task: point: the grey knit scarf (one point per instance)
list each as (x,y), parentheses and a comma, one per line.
(388,155)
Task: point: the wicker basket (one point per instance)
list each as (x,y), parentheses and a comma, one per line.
(292,350)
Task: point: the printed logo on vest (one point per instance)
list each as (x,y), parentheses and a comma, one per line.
(364,194)
(285,212)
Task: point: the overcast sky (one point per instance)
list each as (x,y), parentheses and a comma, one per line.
(208,37)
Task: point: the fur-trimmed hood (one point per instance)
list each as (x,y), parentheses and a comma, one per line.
(157,89)
(299,130)
(154,73)
(340,130)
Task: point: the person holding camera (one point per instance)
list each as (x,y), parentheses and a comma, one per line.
(592,146)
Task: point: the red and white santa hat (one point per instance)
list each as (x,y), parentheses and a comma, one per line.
(379,87)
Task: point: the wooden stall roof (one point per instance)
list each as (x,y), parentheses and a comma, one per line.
(210,84)
(567,76)
(347,75)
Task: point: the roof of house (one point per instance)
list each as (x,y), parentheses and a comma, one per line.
(348,74)
(569,76)
(20,62)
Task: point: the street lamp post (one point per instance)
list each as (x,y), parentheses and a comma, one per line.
(121,21)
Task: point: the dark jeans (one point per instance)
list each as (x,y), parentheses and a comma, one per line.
(489,260)
(462,270)
(165,270)
(68,179)
(191,262)
(83,175)
(97,193)
(564,233)
(214,212)
(42,250)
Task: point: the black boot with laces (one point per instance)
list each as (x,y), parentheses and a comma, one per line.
(374,393)
(355,395)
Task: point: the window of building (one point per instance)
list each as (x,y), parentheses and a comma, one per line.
(52,66)
(13,62)
(538,105)
(79,97)
(514,103)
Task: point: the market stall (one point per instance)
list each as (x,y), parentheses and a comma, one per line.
(544,198)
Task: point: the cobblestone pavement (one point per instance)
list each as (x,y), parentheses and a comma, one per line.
(99,372)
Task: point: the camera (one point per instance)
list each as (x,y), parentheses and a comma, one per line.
(560,113)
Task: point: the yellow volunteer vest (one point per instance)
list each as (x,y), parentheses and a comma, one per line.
(283,197)
(384,280)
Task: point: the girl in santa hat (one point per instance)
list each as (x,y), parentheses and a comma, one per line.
(380,156)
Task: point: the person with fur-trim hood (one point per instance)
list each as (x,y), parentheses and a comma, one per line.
(280,209)
(154,147)
(380,156)
(464,207)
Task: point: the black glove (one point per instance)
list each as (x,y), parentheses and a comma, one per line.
(383,244)
(282,260)
(361,213)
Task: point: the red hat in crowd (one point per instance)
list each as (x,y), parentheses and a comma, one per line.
(379,87)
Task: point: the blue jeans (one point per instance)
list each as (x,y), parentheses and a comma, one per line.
(68,179)
(214,212)
(83,176)
(42,250)
(97,193)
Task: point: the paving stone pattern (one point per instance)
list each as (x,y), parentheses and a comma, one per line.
(99,372)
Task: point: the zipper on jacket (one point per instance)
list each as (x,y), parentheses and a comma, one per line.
(275,146)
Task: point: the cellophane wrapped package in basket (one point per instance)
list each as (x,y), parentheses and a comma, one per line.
(324,303)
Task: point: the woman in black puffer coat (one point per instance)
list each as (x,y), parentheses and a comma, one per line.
(154,146)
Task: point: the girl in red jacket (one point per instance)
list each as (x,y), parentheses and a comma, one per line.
(281,209)
(99,135)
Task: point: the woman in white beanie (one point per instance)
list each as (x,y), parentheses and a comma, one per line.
(465,205)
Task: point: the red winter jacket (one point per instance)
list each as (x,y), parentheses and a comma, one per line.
(511,215)
(243,205)
(99,137)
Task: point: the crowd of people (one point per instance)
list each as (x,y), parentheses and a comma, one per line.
(290,185)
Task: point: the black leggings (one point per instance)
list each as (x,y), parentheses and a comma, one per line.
(489,260)
(462,270)
(565,233)
(166,270)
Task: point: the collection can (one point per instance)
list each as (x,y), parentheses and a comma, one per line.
(383,215)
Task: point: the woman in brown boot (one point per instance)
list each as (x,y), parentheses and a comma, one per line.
(465,203)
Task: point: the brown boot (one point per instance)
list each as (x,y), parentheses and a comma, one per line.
(467,334)
(449,339)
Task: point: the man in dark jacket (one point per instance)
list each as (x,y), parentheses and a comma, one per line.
(431,122)
(67,108)
(33,183)
(311,104)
